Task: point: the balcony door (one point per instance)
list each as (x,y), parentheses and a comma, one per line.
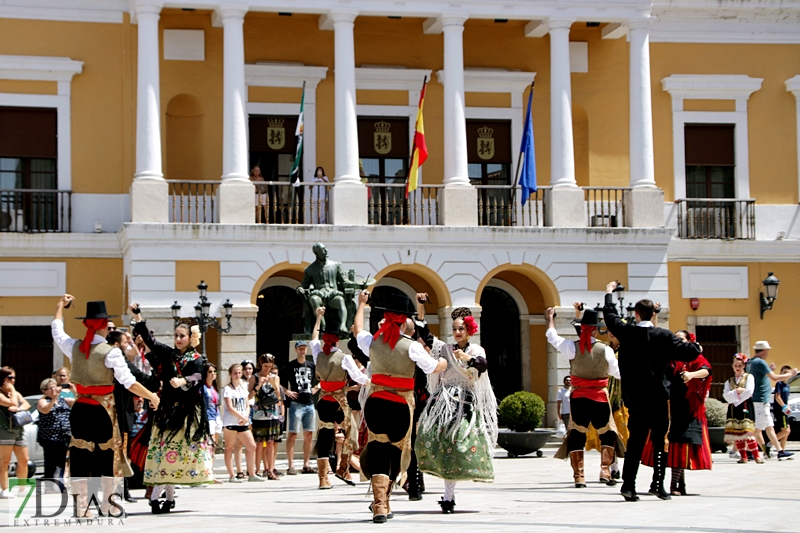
(489,168)
(272,148)
(384,150)
(28,156)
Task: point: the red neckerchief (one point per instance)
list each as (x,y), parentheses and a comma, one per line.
(391,328)
(93,325)
(585,343)
(330,341)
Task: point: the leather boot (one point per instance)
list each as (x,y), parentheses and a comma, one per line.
(389,513)
(80,490)
(380,490)
(659,471)
(576,459)
(343,472)
(414,484)
(606,458)
(106,509)
(322,472)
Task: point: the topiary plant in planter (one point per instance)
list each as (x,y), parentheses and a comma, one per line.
(522,412)
(717,414)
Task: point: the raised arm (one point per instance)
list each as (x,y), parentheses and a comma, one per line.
(319,312)
(358,321)
(612,319)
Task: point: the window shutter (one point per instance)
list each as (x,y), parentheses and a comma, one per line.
(28,132)
(709,144)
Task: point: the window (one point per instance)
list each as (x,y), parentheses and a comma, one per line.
(28,157)
(384,151)
(272,148)
(489,167)
(710,160)
(29,351)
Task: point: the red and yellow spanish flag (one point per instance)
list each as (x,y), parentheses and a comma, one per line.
(419,151)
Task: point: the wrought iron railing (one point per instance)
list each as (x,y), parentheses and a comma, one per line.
(500,205)
(605,206)
(35,211)
(716,218)
(387,205)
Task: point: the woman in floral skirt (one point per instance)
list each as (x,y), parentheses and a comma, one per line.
(179,451)
(740,428)
(458,428)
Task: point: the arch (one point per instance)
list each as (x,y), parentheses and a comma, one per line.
(436,283)
(512,291)
(537,276)
(402,286)
(283,270)
(184,138)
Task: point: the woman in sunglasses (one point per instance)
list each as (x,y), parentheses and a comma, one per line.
(11,437)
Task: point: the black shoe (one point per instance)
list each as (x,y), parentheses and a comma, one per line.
(167,506)
(659,471)
(128,498)
(448,507)
(414,494)
(155,506)
(629,495)
(615,474)
(379,519)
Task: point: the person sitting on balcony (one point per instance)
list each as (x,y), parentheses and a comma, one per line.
(261,194)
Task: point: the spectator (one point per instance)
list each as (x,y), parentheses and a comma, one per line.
(62,377)
(319,197)
(780,409)
(299,381)
(54,430)
(141,415)
(563,401)
(261,194)
(248,368)
(740,425)
(11,438)
(268,415)
(236,422)
(762,374)
(212,406)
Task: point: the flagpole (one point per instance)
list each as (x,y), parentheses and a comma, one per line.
(414,141)
(296,216)
(519,167)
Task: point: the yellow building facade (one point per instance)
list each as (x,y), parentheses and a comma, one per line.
(666,141)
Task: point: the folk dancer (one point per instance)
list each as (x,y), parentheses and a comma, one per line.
(458,429)
(96,448)
(389,404)
(740,426)
(591,362)
(333,367)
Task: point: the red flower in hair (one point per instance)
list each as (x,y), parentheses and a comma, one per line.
(692,337)
(472,326)
(742,357)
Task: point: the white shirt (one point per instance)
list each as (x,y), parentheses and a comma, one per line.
(563,397)
(239,402)
(348,363)
(416,352)
(731,396)
(114,359)
(567,347)
(645,324)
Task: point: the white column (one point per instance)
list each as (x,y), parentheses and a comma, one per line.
(348,201)
(565,205)
(562,152)
(641,111)
(458,201)
(793,86)
(236,191)
(455,126)
(346,128)
(644,203)
(149,192)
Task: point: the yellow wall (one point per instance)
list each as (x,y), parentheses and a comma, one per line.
(777,326)
(771,110)
(189,274)
(28,87)
(87,280)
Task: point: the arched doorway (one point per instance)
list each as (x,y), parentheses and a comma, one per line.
(500,336)
(280,315)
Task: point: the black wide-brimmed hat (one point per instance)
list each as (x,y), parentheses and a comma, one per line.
(333,328)
(96,310)
(398,303)
(590,318)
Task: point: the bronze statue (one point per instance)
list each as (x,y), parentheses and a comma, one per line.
(326,284)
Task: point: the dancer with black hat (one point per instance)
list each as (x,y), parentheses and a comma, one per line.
(590,362)
(333,366)
(96,448)
(389,404)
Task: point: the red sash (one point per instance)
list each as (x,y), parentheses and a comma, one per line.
(94,390)
(593,389)
(390,381)
(330,386)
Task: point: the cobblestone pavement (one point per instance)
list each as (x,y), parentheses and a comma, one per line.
(529,494)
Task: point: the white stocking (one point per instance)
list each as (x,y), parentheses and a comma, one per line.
(170,493)
(157,491)
(449,491)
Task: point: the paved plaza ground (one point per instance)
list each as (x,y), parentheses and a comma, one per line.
(529,494)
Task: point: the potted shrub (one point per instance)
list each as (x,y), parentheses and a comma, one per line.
(522,412)
(717,414)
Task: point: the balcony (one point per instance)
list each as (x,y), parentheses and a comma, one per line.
(716,218)
(35,211)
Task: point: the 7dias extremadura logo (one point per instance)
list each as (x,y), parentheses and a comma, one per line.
(48,502)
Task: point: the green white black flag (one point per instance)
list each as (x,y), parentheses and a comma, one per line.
(295,176)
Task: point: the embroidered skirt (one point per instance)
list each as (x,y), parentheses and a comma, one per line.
(467,457)
(178,462)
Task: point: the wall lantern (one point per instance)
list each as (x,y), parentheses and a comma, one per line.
(771,287)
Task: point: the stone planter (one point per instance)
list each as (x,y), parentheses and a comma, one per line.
(716,438)
(518,443)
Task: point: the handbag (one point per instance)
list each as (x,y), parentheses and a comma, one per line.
(561,429)
(19,419)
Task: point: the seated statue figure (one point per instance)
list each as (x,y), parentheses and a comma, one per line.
(325,284)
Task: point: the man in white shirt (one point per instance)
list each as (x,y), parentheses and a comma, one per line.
(591,362)
(389,409)
(96,447)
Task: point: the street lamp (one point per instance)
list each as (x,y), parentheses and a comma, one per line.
(630,309)
(620,290)
(771,287)
(202,312)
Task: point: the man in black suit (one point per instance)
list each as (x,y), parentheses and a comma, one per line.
(644,355)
